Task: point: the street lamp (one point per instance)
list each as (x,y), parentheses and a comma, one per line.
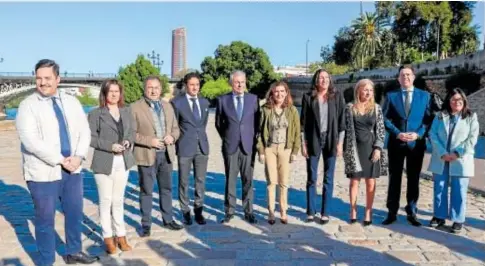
(306,65)
(155,59)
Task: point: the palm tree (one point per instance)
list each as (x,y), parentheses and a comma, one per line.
(367,30)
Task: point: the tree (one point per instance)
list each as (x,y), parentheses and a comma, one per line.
(214,88)
(368,36)
(331,67)
(132,76)
(463,36)
(326,54)
(342,47)
(240,56)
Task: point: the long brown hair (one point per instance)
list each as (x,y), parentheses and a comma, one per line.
(331,88)
(270,102)
(103,95)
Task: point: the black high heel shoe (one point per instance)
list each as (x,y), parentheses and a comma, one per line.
(353,221)
(367,223)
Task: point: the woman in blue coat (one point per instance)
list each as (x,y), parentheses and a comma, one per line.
(453,135)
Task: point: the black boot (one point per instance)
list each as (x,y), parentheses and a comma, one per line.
(199,218)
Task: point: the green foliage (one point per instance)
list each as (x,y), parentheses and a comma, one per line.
(214,88)
(86,99)
(240,56)
(15,102)
(342,47)
(331,67)
(326,54)
(412,36)
(368,32)
(132,76)
(466,80)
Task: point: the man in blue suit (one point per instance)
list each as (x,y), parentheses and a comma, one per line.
(237,120)
(191,111)
(407,117)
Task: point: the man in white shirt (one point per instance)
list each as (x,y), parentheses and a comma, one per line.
(55,137)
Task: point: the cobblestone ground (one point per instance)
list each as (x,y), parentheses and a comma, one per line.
(239,243)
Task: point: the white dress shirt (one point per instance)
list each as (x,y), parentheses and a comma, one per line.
(191,103)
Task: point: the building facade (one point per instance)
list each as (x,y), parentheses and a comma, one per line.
(179,50)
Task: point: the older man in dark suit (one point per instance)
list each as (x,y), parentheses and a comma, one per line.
(191,111)
(237,115)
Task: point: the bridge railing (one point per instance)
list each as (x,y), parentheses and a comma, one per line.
(64,74)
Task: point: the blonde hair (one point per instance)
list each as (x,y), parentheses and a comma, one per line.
(370,106)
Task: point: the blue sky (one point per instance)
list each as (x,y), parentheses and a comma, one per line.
(101,37)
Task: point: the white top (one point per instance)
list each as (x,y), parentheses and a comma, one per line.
(38,131)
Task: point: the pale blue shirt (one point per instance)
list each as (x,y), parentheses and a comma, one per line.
(234,99)
(411,92)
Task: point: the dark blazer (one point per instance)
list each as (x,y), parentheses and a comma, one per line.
(104,134)
(418,121)
(231,130)
(192,132)
(310,122)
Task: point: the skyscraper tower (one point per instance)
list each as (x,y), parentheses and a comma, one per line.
(179,50)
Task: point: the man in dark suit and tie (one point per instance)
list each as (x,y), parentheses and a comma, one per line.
(191,111)
(237,120)
(407,117)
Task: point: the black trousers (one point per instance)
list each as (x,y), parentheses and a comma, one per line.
(236,163)
(199,163)
(162,172)
(414,162)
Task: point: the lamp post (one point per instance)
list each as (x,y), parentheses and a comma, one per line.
(306,65)
(155,59)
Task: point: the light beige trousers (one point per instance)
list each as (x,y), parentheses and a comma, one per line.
(277,168)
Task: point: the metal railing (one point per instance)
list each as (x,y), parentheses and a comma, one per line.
(64,74)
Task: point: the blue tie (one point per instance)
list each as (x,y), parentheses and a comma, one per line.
(239,108)
(157,107)
(195,109)
(63,133)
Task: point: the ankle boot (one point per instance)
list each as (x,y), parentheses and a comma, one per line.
(110,245)
(123,244)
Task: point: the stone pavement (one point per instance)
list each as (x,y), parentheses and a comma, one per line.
(239,243)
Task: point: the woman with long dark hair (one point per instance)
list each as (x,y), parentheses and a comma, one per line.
(112,137)
(323,128)
(453,135)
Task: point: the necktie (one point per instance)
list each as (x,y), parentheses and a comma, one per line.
(239,108)
(157,107)
(407,102)
(195,109)
(63,133)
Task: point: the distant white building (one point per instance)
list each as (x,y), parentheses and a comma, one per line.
(291,71)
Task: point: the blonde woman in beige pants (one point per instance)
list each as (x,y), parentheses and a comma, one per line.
(278,144)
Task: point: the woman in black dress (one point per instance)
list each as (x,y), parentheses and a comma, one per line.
(364,142)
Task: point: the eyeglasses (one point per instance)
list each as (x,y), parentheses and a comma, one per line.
(457,100)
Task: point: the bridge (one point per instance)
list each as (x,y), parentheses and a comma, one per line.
(18,84)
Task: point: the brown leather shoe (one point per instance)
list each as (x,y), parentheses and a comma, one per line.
(110,245)
(123,244)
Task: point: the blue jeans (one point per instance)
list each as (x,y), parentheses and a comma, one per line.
(329,162)
(459,188)
(45,195)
